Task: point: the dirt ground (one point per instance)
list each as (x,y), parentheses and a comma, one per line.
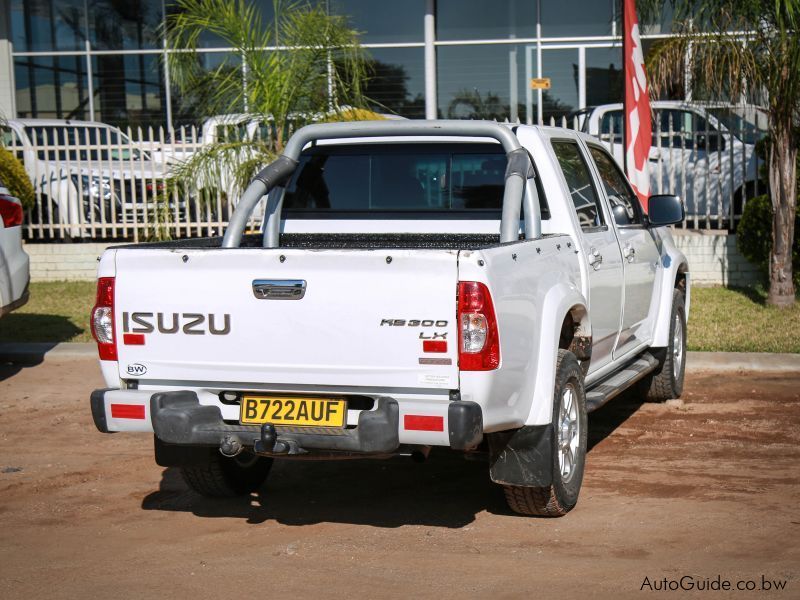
(702,490)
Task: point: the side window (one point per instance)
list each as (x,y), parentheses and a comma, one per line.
(579,182)
(10,141)
(611,127)
(621,197)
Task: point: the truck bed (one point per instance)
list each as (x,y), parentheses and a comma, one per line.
(337,241)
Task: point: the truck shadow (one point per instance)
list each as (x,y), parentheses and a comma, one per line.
(604,421)
(9,368)
(445,491)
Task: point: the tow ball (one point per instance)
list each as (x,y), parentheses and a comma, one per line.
(269,442)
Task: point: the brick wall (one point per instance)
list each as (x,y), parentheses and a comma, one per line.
(54,262)
(713,259)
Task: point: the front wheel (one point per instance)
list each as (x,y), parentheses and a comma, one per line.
(570,426)
(667,382)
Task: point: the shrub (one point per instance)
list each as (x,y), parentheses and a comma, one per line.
(754,235)
(13,175)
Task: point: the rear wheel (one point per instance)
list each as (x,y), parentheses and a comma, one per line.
(667,382)
(569,448)
(222,477)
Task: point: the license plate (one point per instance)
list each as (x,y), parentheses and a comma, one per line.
(291,410)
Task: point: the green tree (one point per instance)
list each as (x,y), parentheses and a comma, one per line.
(305,65)
(751,49)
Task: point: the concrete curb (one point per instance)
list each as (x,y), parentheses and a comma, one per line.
(743,361)
(696,361)
(39,351)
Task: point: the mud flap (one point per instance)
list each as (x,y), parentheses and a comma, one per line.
(522,457)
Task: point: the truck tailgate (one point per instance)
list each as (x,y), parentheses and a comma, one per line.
(202,316)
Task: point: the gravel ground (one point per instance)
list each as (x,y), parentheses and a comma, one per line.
(701,488)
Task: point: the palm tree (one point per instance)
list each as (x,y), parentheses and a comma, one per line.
(305,65)
(750,49)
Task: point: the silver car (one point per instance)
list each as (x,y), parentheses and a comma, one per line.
(14,262)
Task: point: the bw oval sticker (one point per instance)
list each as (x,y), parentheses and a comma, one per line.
(136,369)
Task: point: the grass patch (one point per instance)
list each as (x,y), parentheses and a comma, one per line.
(738,320)
(722,319)
(58,311)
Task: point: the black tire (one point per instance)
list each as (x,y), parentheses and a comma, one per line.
(560,497)
(666,382)
(222,477)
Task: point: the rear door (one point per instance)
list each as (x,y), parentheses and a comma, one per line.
(639,252)
(288,317)
(600,247)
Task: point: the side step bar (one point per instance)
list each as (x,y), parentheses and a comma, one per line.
(620,381)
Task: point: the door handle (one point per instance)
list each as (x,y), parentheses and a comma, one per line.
(629,252)
(594,258)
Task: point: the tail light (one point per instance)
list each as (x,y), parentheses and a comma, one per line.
(479,344)
(103,319)
(10,211)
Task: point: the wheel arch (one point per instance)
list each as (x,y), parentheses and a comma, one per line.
(564,309)
(676,275)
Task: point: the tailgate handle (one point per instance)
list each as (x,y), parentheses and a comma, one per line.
(279,289)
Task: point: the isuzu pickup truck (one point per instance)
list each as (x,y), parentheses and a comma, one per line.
(463,284)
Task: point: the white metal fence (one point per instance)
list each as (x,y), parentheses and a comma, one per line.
(712,166)
(101,183)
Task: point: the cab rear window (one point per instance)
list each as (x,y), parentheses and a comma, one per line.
(399,178)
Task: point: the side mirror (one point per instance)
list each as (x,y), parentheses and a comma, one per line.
(620,215)
(664,210)
(713,142)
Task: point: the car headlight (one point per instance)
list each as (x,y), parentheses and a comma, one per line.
(95,188)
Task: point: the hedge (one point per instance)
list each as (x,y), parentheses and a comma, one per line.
(754,235)
(13,175)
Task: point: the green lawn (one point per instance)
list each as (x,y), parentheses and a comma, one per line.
(737,320)
(58,311)
(733,320)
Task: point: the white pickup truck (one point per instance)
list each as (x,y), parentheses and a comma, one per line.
(462,284)
(704,153)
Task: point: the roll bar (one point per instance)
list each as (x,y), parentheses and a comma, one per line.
(278,172)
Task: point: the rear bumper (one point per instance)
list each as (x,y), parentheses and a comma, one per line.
(179,419)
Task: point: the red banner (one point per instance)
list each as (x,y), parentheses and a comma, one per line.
(638,127)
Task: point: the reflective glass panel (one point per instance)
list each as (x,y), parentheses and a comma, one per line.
(129,90)
(42,25)
(603,76)
(397,82)
(479,19)
(51,87)
(383,22)
(561,66)
(130,25)
(481,82)
(575,18)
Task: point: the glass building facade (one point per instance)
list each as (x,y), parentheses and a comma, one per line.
(104,59)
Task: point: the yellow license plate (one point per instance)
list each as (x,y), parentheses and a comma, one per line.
(291,410)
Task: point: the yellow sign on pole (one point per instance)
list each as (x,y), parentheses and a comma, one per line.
(542,83)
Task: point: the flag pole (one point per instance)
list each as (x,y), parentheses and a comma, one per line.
(625,76)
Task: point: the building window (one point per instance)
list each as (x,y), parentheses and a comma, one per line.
(398,21)
(478,19)
(397,82)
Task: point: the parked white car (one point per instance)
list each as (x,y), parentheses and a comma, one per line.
(694,154)
(83,172)
(462,284)
(14,261)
